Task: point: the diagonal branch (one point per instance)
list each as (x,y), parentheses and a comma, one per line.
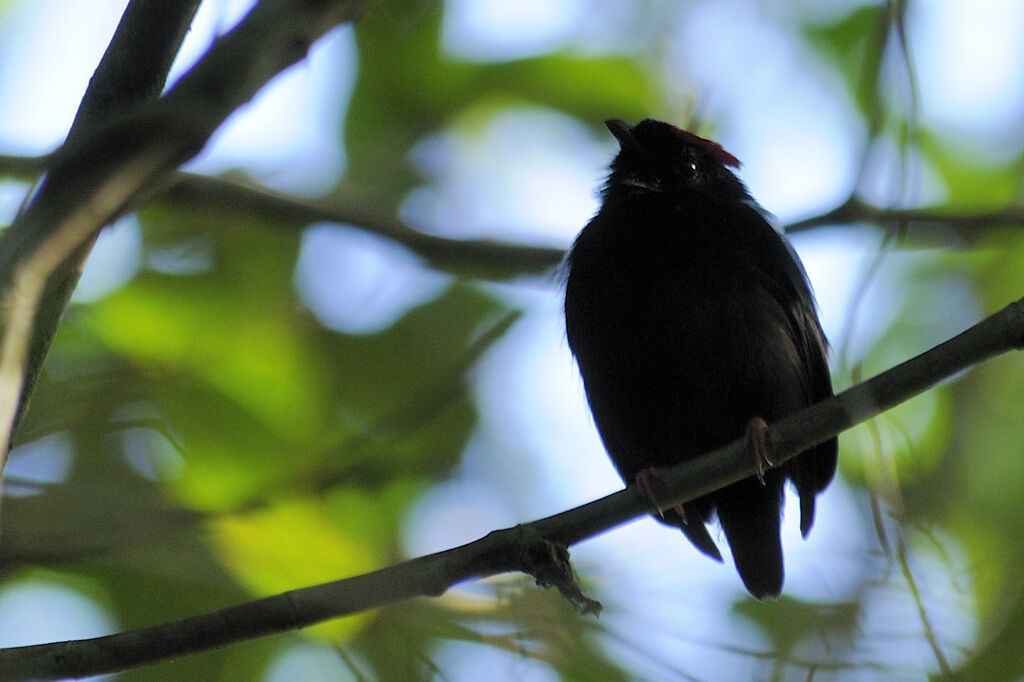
(31,276)
(173,129)
(132,71)
(135,65)
(537,548)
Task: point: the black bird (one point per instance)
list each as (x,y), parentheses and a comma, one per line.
(691,319)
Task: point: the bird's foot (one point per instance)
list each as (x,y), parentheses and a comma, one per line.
(757,444)
(647,480)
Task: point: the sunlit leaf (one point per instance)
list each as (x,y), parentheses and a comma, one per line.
(290,545)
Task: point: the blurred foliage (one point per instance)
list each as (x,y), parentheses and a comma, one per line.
(208,439)
(851,43)
(408,88)
(971,184)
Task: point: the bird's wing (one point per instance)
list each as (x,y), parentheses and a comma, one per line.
(772,258)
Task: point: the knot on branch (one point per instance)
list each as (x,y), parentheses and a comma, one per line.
(548,562)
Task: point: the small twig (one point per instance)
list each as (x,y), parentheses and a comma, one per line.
(926,623)
(548,562)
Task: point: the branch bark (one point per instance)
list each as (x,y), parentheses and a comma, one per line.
(536,548)
(132,71)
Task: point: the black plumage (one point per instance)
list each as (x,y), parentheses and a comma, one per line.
(689,315)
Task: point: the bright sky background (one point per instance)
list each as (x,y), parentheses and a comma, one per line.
(791,126)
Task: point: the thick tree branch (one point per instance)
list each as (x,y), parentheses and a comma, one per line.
(537,548)
(132,71)
(171,130)
(135,65)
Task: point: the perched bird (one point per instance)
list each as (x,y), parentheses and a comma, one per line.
(692,320)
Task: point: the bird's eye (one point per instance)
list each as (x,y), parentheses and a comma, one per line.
(693,167)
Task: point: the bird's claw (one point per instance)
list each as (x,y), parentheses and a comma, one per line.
(646,481)
(757,444)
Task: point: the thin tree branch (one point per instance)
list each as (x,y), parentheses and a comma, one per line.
(25,167)
(172,129)
(922,612)
(537,548)
(500,259)
(472,257)
(964,223)
(483,258)
(487,258)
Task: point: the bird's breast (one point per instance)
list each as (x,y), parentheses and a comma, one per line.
(689,351)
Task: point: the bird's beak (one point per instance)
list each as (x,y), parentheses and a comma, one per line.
(623,132)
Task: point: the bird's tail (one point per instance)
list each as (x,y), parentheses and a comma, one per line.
(750,516)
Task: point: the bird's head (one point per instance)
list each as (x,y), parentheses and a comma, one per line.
(660,158)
